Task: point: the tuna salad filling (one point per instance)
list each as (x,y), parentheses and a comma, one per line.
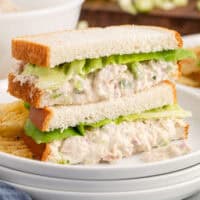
(113,142)
(94,80)
(113,81)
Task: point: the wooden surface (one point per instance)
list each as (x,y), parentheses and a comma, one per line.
(184,19)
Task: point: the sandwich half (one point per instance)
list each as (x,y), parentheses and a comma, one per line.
(100,94)
(109,140)
(98,64)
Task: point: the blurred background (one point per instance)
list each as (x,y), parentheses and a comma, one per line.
(27,17)
(182,15)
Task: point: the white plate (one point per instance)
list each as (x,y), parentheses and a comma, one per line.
(126,168)
(100,185)
(173,192)
(191,41)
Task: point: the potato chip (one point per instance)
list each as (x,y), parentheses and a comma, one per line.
(190,69)
(188,81)
(12,119)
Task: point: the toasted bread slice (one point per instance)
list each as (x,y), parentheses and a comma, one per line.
(15,145)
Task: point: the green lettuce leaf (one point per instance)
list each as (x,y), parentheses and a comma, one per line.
(133,68)
(73,68)
(171,111)
(92,65)
(46,137)
(27,105)
(46,75)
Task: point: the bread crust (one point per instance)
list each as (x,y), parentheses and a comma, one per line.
(22,91)
(173,86)
(37,149)
(40,117)
(179,73)
(40,54)
(46,152)
(179,39)
(40,151)
(186,131)
(31,52)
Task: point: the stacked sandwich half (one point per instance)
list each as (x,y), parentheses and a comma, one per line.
(100,94)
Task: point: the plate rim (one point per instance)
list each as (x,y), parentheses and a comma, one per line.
(190,173)
(170,187)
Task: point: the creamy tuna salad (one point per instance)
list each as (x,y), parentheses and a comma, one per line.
(113,81)
(113,142)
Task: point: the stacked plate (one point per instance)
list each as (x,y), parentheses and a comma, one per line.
(171,186)
(173,179)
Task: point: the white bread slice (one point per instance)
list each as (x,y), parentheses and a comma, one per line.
(55,117)
(56,48)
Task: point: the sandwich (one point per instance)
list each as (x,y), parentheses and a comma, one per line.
(100,94)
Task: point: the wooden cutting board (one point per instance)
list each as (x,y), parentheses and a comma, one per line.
(102,13)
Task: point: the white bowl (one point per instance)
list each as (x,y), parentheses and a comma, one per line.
(39,16)
(127,185)
(126,168)
(172,192)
